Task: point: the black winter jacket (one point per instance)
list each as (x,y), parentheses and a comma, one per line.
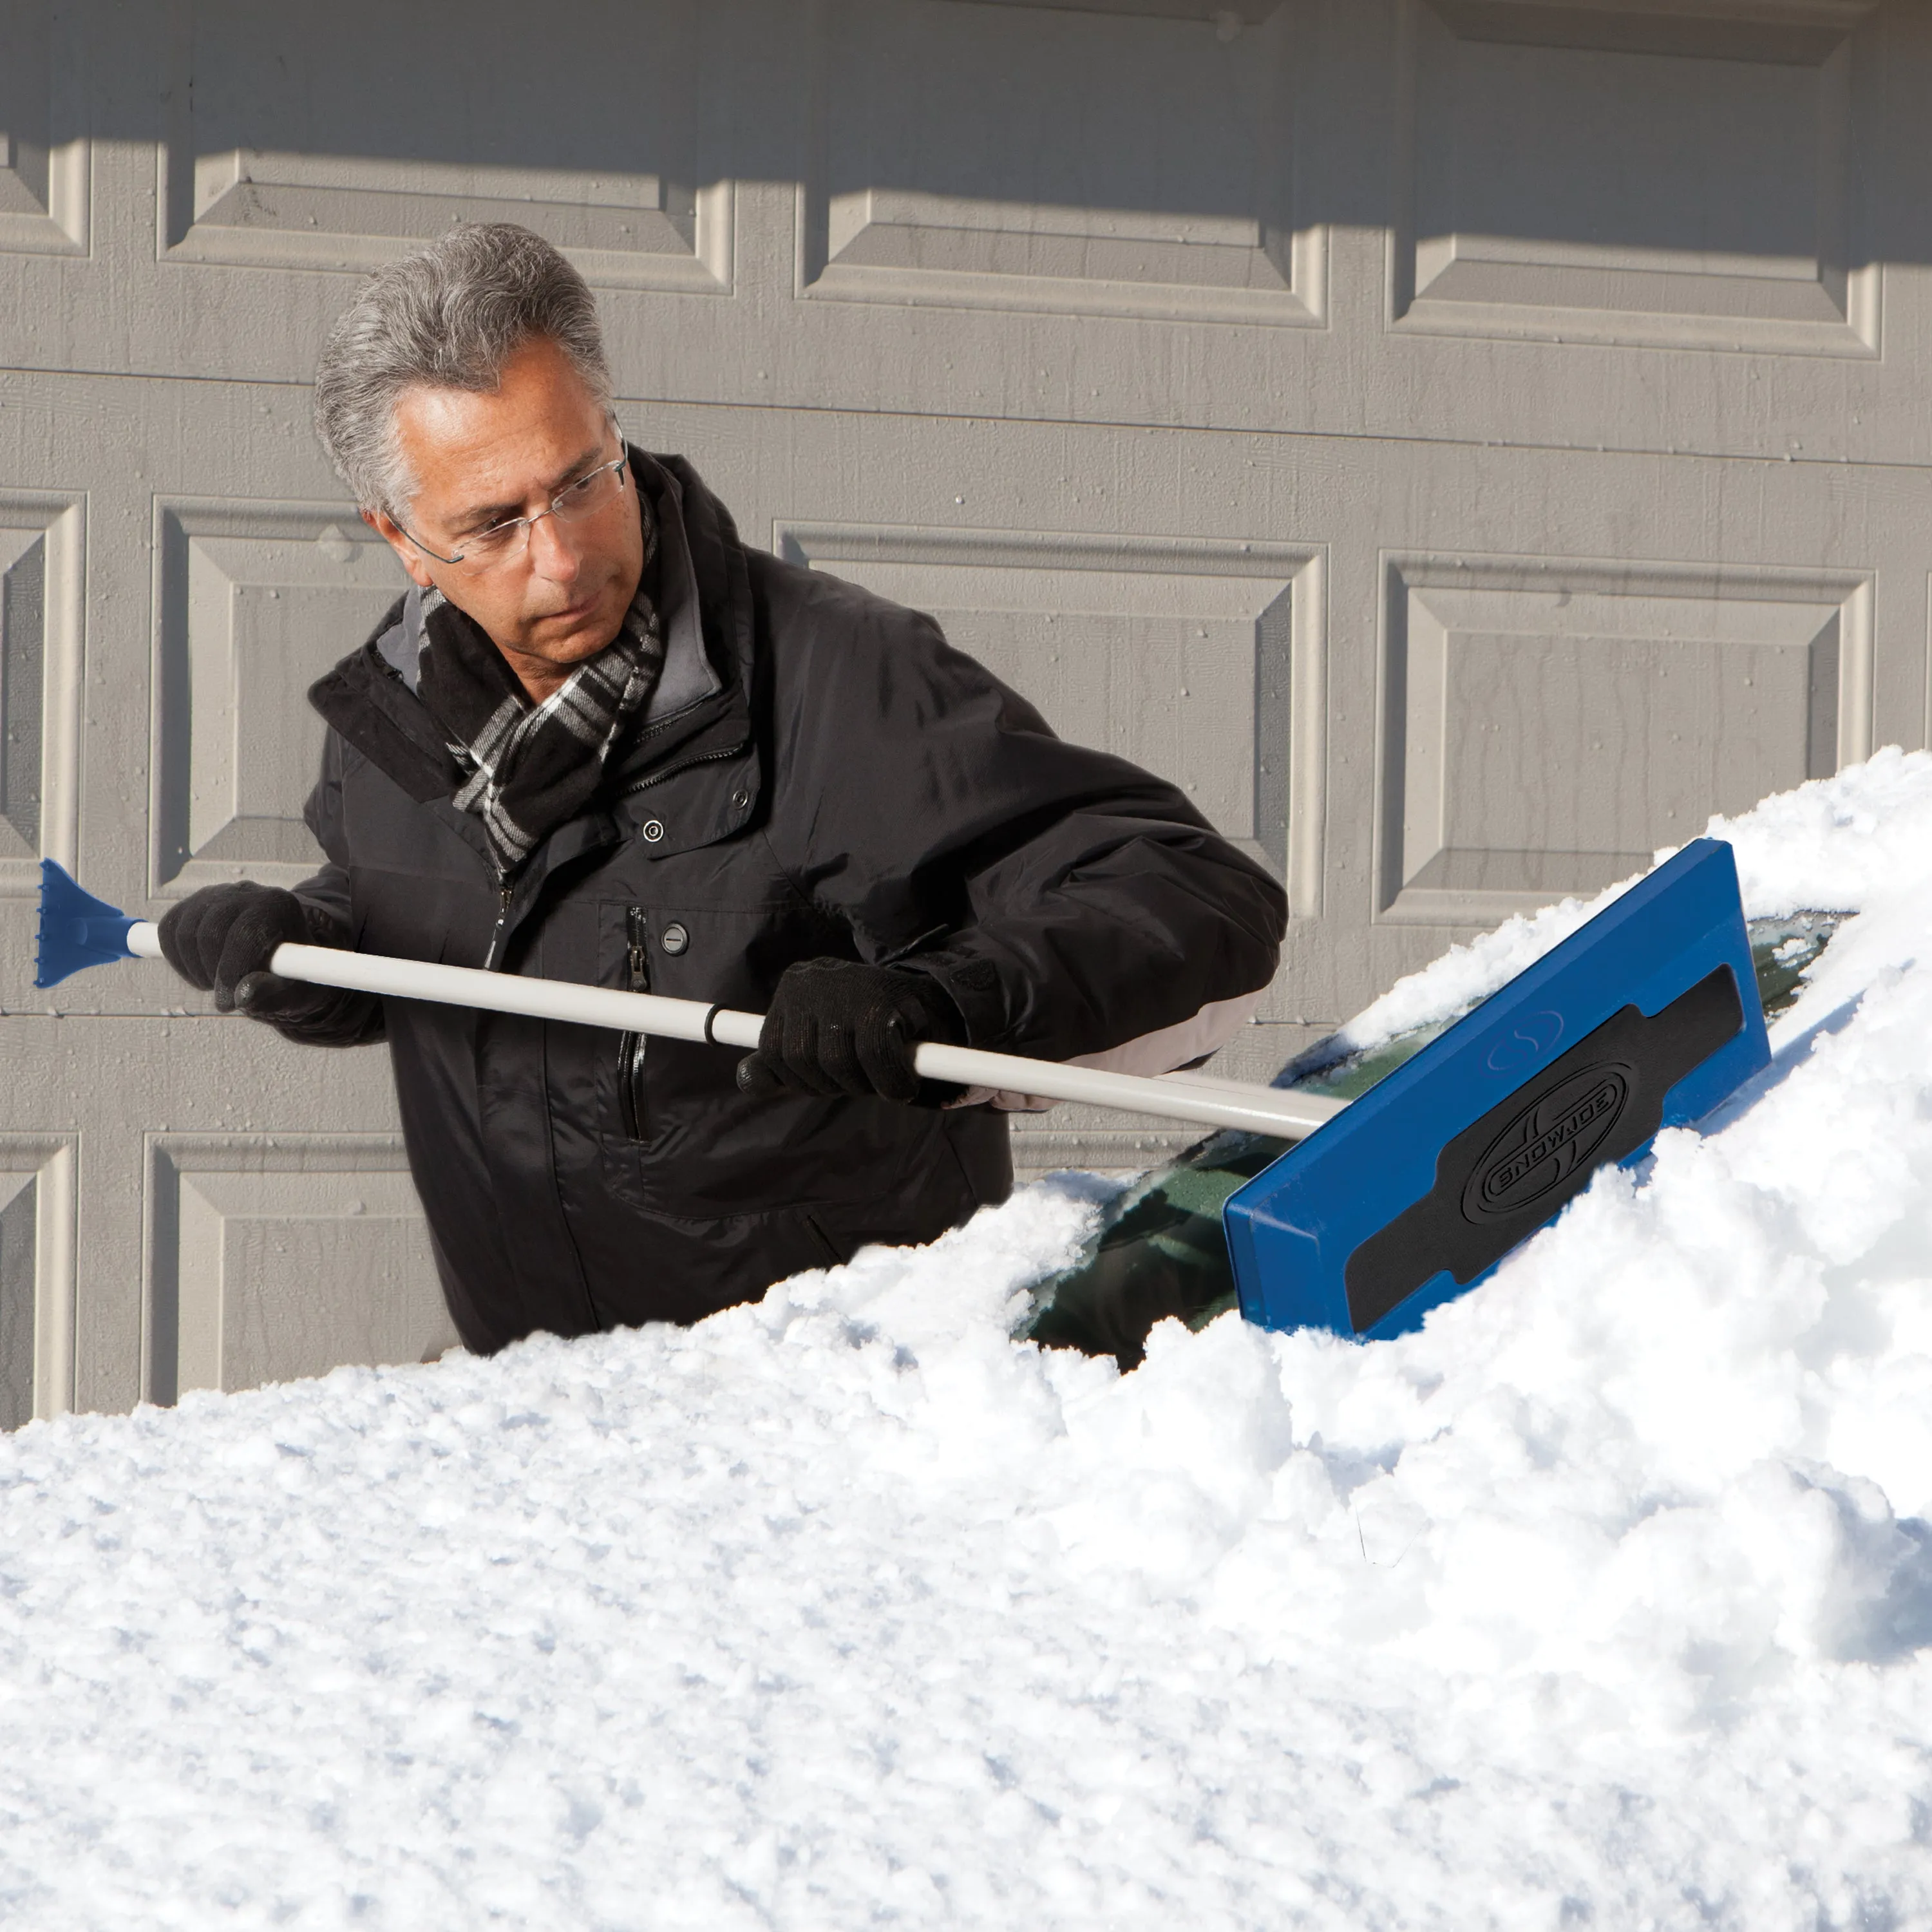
(821,774)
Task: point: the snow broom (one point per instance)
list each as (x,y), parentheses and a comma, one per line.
(1645,1018)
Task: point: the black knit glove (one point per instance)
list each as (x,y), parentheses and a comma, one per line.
(836,1026)
(222,938)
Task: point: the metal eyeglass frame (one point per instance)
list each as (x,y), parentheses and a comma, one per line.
(620,462)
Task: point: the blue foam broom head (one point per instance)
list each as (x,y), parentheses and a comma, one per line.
(76,929)
(1645,1018)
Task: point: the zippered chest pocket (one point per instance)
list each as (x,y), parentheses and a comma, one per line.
(631,1047)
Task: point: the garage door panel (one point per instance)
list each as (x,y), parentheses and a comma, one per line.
(335,160)
(23,689)
(38,1206)
(272,1261)
(1550,725)
(41,623)
(44,152)
(1627,175)
(257,601)
(1042,158)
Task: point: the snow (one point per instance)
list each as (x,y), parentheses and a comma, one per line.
(1606,1599)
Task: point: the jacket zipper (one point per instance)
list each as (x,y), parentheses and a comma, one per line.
(504,891)
(672,771)
(630,1047)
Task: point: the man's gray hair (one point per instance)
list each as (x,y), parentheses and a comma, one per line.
(447,317)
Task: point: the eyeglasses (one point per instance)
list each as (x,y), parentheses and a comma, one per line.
(502,543)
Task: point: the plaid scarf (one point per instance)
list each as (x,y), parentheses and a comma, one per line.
(530,767)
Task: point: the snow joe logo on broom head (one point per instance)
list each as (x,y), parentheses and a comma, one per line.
(1547,1142)
(1417,1190)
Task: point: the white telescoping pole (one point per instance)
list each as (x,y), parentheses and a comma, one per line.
(1171,1097)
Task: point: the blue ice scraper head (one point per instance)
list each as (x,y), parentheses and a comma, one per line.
(77,928)
(1646,1018)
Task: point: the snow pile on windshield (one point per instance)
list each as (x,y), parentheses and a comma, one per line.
(1605,1599)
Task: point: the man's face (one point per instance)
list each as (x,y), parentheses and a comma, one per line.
(478,459)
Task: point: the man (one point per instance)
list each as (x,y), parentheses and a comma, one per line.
(600,739)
